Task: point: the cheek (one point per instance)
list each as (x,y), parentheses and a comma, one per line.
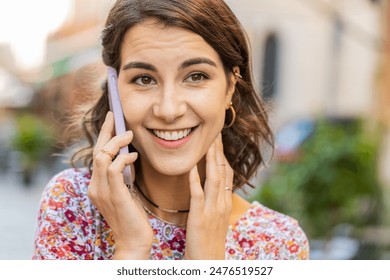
(214,117)
(212,109)
(134,112)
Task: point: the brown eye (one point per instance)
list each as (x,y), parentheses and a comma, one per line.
(196,77)
(144,81)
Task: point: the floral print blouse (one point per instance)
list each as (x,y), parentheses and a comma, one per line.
(70,227)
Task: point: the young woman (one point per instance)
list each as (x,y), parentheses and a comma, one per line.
(196,127)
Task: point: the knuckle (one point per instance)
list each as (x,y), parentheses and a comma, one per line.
(117,139)
(92,194)
(95,152)
(197,196)
(100,160)
(112,170)
(120,158)
(195,181)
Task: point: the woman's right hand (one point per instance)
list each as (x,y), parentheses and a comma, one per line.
(127,219)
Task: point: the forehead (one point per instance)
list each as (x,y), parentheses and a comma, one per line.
(151,40)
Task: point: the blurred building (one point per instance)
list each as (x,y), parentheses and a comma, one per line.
(384,72)
(14,93)
(314,57)
(310,58)
(73,62)
(76,43)
(383,101)
(6,58)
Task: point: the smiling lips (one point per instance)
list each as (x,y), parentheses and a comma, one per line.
(172,139)
(172,135)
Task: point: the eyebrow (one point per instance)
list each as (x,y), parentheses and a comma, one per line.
(198,60)
(185,64)
(141,65)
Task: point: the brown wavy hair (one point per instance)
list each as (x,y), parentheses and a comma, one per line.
(219,27)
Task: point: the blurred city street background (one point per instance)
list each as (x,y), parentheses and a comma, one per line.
(323,67)
(19,208)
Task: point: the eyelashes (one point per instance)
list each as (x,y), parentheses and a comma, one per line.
(196,77)
(147,80)
(144,80)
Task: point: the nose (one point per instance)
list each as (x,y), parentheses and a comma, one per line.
(171,104)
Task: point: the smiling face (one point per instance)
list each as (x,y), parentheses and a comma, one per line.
(174,93)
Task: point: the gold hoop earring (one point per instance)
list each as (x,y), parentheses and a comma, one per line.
(233,115)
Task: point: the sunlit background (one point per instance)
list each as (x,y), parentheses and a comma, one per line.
(323,66)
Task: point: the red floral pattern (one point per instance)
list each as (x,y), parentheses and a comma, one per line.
(70,227)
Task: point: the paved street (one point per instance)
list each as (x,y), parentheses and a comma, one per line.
(18,213)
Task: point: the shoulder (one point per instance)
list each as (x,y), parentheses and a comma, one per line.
(73,175)
(65,190)
(73,181)
(264,233)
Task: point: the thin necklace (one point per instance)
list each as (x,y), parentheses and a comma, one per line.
(155,205)
(155,215)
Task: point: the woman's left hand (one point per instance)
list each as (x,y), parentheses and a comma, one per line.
(210,207)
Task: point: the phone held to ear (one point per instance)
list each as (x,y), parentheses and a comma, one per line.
(116,109)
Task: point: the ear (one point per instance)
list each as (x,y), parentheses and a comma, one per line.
(233,76)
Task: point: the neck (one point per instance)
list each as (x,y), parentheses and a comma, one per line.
(169,192)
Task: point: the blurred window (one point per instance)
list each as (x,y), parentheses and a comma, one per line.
(270,67)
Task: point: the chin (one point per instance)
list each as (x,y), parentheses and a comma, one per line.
(170,170)
(173,166)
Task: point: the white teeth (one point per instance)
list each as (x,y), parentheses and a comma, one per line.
(167,136)
(172,135)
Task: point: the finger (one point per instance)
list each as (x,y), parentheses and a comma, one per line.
(221,162)
(229,183)
(225,194)
(104,154)
(212,177)
(117,142)
(100,163)
(105,134)
(104,157)
(196,191)
(100,159)
(118,189)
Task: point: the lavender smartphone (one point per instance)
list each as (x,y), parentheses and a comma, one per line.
(116,109)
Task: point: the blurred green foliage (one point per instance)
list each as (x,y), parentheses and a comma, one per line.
(332,181)
(33,139)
